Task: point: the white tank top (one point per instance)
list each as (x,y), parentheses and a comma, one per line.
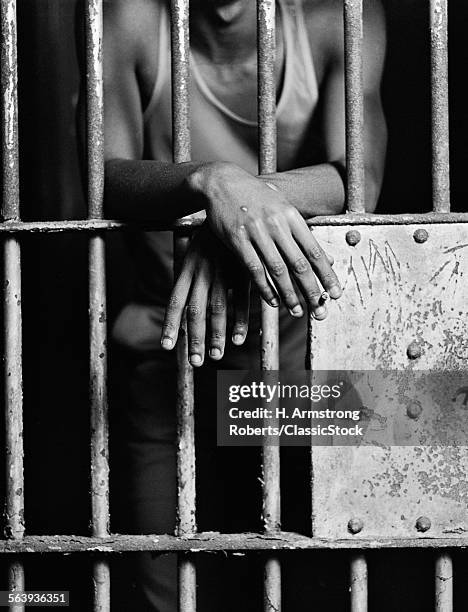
(218,134)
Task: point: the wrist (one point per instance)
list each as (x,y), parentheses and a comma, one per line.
(207,180)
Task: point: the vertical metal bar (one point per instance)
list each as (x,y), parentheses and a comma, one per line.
(440,203)
(266,38)
(266,45)
(358,581)
(444,583)
(97,301)
(353,33)
(440,106)
(186,501)
(354,88)
(13,369)
(181,140)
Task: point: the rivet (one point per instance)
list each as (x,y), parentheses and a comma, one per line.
(355,525)
(423,524)
(414,410)
(420,236)
(414,350)
(353,237)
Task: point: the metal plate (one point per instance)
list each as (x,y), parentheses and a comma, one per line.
(402,297)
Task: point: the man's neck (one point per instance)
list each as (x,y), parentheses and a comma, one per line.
(224,33)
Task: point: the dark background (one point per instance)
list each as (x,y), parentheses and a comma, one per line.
(55,294)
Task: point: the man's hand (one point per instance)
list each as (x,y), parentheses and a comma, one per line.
(202,289)
(268,235)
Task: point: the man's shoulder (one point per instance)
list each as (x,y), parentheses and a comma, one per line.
(324,21)
(324,24)
(330,12)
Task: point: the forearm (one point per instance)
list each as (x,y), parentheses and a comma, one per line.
(146,190)
(320,190)
(314,190)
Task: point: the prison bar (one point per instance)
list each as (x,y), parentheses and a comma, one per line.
(210,541)
(188,224)
(97,301)
(271,515)
(444,583)
(181,142)
(358,581)
(353,33)
(355,190)
(13,368)
(440,198)
(440,106)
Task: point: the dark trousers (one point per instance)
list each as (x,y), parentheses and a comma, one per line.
(228,487)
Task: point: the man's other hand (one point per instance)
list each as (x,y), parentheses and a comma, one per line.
(201,289)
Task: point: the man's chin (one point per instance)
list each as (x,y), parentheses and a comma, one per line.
(226,11)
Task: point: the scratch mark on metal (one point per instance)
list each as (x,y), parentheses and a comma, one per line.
(436,274)
(456,248)
(353,272)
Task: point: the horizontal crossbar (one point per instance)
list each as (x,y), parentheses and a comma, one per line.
(215,542)
(98,225)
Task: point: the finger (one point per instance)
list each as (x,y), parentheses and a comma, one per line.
(277,269)
(301,269)
(330,258)
(321,312)
(241,300)
(217,310)
(177,302)
(317,257)
(252,262)
(196,315)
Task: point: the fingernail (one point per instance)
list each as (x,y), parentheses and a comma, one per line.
(297,311)
(274,302)
(167,343)
(319,312)
(215,353)
(238,338)
(195,360)
(334,291)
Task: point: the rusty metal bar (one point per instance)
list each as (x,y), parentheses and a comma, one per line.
(97,301)
(11,207)
(353,32)
(440,106)
(354,93)
(180,47)
(13,367)
(266,52)
(266,37)
(444,583)
(358,580)
(187,224)
(181,142)
(440,197)
(217,542)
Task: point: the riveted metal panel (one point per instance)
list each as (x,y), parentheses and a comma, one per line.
(404,308)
